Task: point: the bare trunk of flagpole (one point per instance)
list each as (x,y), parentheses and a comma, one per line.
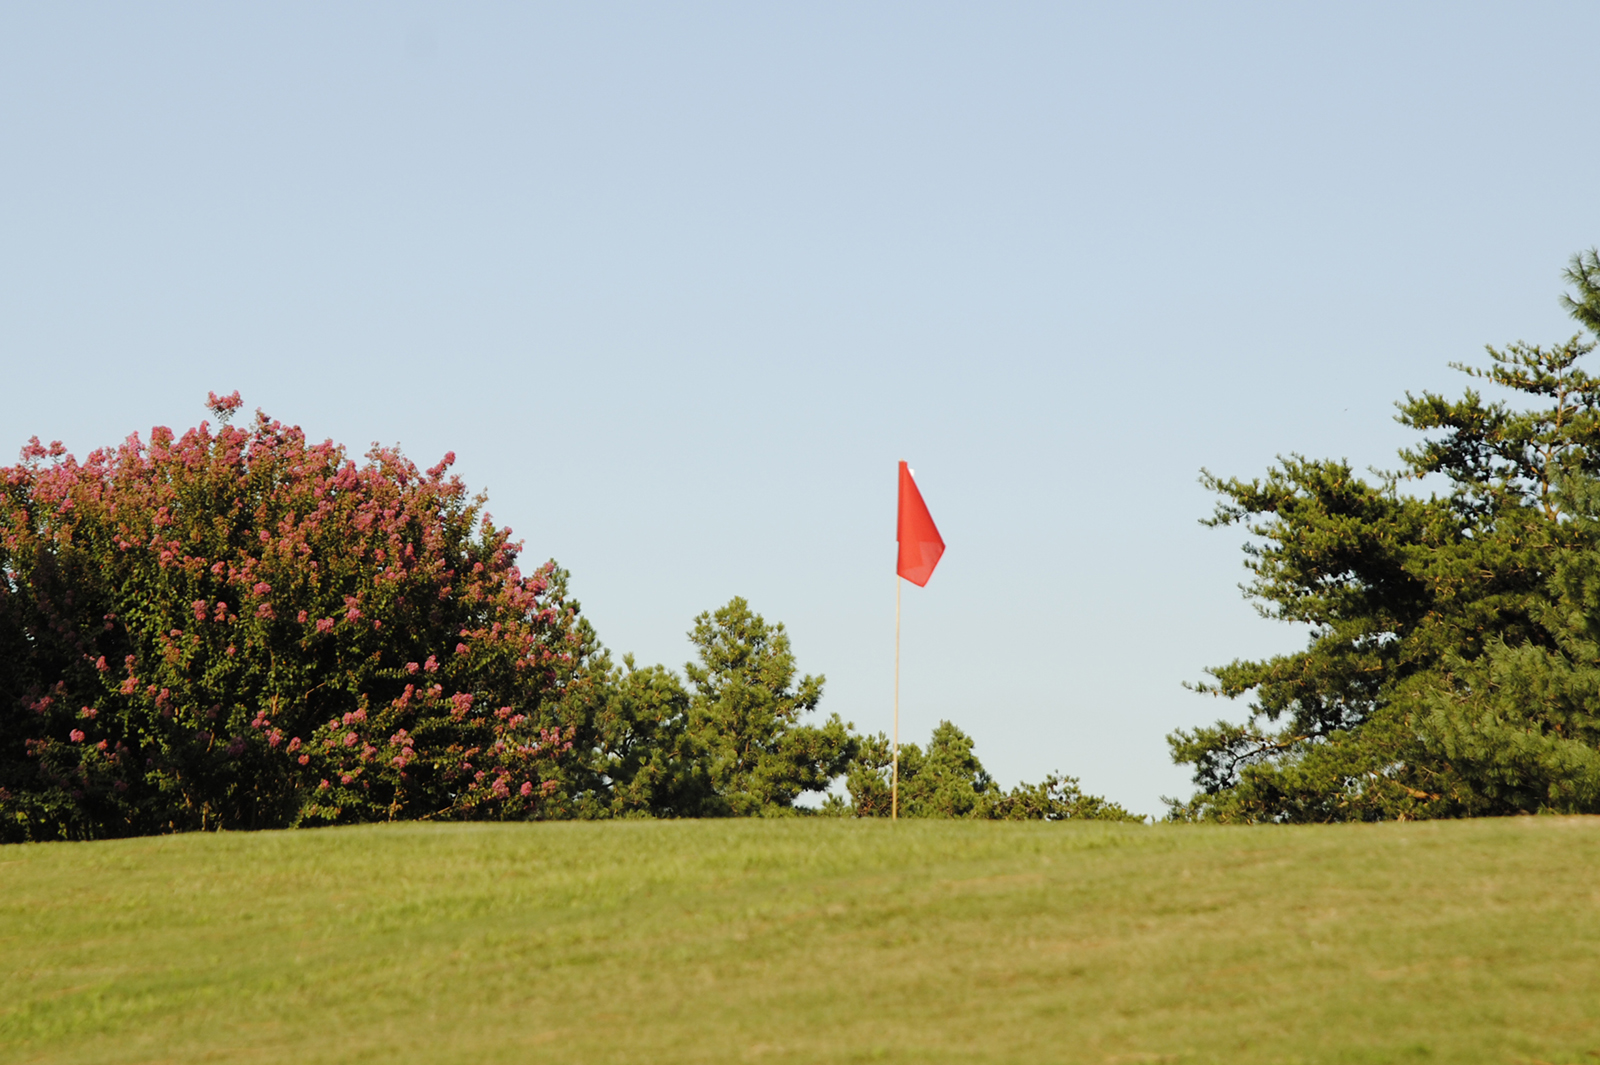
(894,771)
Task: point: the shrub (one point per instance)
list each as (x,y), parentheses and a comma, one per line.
(237,628)
(947,780)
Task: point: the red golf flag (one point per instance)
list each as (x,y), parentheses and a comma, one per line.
(920,544)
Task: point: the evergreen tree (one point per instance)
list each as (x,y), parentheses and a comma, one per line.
(646,761)
(1516,730)
(949,781)
(1403,593)
(745,714)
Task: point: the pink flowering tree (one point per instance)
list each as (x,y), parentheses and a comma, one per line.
(239,628)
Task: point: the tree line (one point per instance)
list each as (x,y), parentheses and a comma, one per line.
(238,628)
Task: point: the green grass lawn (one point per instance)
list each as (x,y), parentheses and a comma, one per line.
(809,941)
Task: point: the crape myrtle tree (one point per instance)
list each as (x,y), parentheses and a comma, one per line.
(1452,664)
(238,628)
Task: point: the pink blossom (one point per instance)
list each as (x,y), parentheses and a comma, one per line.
(294,745)
(262,588)
(89,712)
(199,609)
(324,624)
(527,788)
(350,739)
(412,667)
(431,665)
(76,735)
(223,406)
(301,617)
(322,786)
(305,759)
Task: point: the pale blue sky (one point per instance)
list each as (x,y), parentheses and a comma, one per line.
(680,283)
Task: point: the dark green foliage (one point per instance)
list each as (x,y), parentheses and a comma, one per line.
(1516,729)
(948,781)
(1055,798)
(945,781)
(745,716)
(1407,598)
(644,762)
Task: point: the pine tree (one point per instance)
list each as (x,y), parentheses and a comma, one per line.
(1405,594)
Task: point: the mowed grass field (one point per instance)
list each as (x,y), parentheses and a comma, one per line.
(809,941)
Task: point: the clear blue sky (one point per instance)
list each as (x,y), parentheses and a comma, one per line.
(680,283)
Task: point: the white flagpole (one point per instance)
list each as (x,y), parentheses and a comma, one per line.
(894,771)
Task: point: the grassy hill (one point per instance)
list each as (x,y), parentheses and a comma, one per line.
(809,941)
